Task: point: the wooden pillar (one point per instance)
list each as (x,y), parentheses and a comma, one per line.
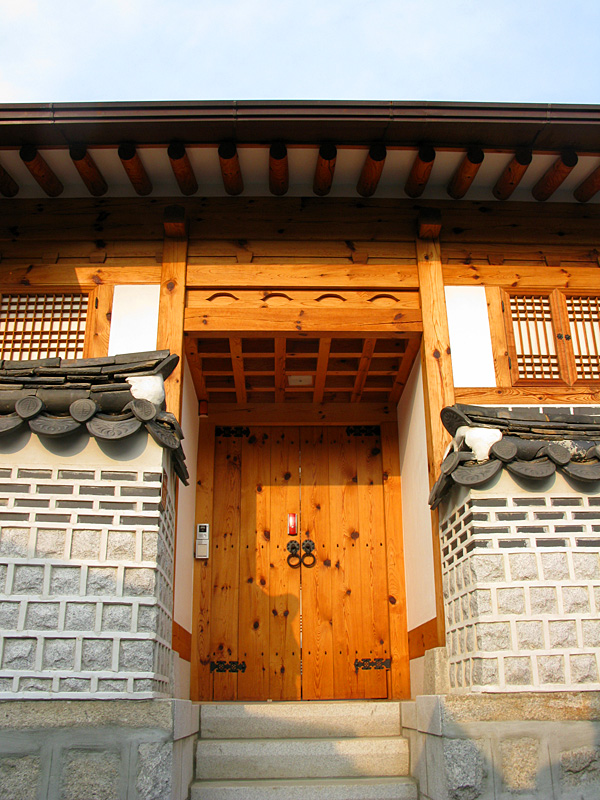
(170,315)
(438,386)
(97,329)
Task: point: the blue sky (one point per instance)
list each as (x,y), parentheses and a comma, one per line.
(491,50)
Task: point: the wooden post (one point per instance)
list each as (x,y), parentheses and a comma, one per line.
(97,329)
(438,386)
(88,170)
(170,314)
(41,171)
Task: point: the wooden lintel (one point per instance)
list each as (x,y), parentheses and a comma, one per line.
(322,362)
(170,315)
(237,365)
(429,223)
(280,358)
(363,369)
(231,172)
(279,178)
(466,172)
(134,169)
(325,169)
(40,171)
(555,175)
(372,170)
(420,171)
(438,386)
(174,222)
(8,186)
(301,413)
(182,168)
(88,170)
(512,174)
(589,187)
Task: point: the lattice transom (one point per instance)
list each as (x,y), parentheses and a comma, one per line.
(534,337)
(584,319)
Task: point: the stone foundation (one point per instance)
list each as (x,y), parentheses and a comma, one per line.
(108,749)
(534,746)
(521,571)
(86,567)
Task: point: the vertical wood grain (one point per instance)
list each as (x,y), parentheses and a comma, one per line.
(496,316)
(97,330)
(170,315)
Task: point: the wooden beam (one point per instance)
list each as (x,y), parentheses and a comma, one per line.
(230,168)
(372,170)
(182,168)
(40,171)
(237,364)
(512,174)
(438,386)
(589,187)
(429,223)
(553,177)
(363,369)
(466,172)
(324,169)
(195,365)
(280,357)
(301,413)
(132,164)
(406,365)
(298,320)
(529,395)
(170,315)
(279,177)
(174,222)
(420,171)
(88,170)
(322,362)
(8,186)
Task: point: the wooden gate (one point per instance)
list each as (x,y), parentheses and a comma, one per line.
(272,631)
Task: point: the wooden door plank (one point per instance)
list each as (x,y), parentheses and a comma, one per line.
(201,680)
(346,594)
(253,637)
(284,582)
(400,671)
(317,636)
(225,567)
(373,570)
(363,369)
(237,364)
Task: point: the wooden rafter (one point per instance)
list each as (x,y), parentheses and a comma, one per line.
(88,170)
(512,174)
(134,169)
(230,168)
(196,367)
(324,169)
(466,172)
(589,187)
(322,362)
(41,171)
(363,369)
(412,349)
(8,186)
(279,178)
(182,168)
(420,171)
(555,175)
(237,365)
(280,358)
(372,170)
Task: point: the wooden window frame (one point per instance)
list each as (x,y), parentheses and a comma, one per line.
(501,324)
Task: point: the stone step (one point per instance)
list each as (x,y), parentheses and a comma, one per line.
(264,759)
(309,789)
(320,719)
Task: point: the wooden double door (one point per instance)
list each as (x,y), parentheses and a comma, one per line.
(276,629)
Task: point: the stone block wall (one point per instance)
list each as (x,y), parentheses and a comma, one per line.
(86,573)
(521,573)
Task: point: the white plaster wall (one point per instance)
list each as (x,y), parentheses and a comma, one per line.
(470,339)
(416,517)
(134,319)
(186,507)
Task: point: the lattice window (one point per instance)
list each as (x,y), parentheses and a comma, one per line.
(584,321)
(534,337)
(42,325)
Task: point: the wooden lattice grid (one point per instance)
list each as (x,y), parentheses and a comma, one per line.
(36,326)
(534,337)
(584,322)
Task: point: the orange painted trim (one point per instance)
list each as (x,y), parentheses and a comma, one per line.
(423,638)
(182,641)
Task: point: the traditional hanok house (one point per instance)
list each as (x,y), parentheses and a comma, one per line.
(342,313)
